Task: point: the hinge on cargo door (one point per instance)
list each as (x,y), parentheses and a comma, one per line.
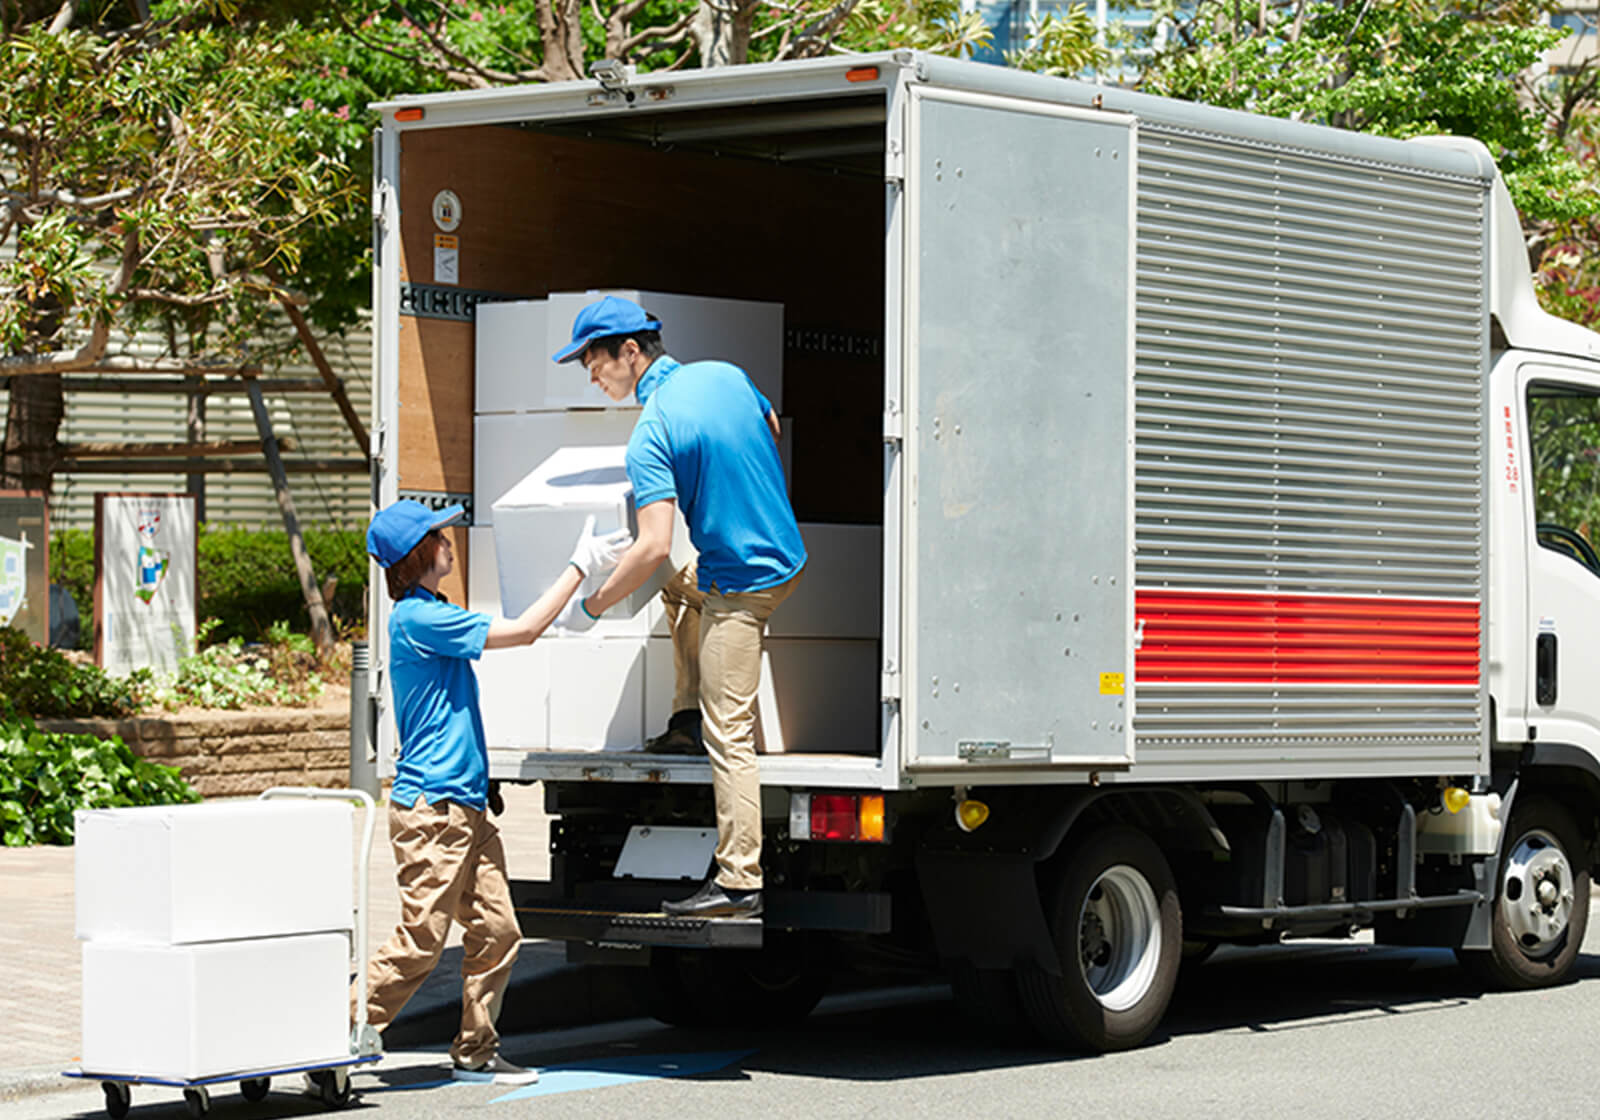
(1002,750)
(894,161)
(380,204)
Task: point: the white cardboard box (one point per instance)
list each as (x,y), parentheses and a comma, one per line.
(506,448)
(815,696)
(510,356)
(538,521)
(175,874)
(514,696)
(747,333)
(596,693)
(192,1011)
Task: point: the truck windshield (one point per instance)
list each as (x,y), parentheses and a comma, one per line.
(1564,435)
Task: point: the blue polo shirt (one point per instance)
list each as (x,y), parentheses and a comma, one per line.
(703,441)
(443,753)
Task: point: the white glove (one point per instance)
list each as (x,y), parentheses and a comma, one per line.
(573,618)
(595,556)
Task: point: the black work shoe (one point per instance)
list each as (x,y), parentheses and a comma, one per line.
(713,900)
(496,1071)
(682,735)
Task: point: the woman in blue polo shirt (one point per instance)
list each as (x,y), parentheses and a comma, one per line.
(450,863)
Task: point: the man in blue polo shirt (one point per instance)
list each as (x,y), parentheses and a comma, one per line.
(449,860)
(706,442)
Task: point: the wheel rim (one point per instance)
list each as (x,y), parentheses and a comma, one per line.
(1119,937)
(1536,893)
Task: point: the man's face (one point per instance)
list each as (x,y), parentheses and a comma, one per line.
(615,376)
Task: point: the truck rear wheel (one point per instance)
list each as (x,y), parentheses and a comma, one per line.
(1114,917)
(1541,904)
(775,985)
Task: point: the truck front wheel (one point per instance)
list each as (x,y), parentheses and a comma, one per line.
(1114,917)
(1541,904)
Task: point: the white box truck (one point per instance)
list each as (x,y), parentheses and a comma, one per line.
(1232,573)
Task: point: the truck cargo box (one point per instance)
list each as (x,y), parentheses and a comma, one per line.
(1166,421)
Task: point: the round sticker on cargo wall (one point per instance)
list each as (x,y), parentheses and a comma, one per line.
(446,210)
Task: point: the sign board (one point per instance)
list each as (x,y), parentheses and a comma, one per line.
(24,564)
(144,587)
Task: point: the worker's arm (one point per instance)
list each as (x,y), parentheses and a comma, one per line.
(777,430)
(532,622)
(655,541)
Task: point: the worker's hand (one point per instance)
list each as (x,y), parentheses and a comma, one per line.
(497,804)
(595,555)
(573,618)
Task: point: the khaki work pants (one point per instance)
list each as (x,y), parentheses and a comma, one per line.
(716,651)
(451,866)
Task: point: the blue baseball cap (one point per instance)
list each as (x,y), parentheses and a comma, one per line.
(603,318)
(395,531)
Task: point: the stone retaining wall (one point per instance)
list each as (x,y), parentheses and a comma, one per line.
(237,754)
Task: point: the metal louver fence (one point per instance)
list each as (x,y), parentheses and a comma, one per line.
(1309,361)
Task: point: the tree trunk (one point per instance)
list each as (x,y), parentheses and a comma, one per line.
(721,30)
(31,449)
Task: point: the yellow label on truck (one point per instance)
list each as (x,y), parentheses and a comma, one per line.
(1111,684)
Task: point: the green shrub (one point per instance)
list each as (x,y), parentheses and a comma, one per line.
(44,776)
(246,578)
(45,683)
(231,675)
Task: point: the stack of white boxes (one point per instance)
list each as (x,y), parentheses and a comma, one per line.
(548,451)
(216,937)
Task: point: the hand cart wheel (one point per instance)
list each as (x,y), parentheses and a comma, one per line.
(118,1099)
(333,1086)
(255,1088)
(197,1100)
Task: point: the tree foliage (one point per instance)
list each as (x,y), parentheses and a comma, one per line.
(163,173)
(1402,68)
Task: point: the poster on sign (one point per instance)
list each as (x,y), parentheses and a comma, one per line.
(144,581)
(24,564)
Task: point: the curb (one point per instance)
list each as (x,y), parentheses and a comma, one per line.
(35,1081)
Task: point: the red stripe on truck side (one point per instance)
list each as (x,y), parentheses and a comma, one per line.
(1208,637)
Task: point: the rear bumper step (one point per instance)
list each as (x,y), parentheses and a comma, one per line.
(572,923)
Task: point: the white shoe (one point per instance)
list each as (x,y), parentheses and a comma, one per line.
(496,1071)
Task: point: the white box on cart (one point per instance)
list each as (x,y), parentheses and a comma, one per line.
(193,1011)
(223,870)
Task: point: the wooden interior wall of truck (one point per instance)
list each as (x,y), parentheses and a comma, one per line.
(543,213)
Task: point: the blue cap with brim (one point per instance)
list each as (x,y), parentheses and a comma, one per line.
(395,531)
(603,318)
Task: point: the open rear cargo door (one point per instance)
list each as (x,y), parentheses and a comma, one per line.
(1018,544)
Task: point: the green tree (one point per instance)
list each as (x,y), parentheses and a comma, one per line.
(1401,68)
(160,168)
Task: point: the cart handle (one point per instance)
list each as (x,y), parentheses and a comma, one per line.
(362,1040)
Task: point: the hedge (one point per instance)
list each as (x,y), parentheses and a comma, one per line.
(246,578)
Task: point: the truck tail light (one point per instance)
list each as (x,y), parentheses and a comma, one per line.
(861,74)
(838,816)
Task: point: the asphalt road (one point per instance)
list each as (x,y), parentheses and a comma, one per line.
(1307,1029)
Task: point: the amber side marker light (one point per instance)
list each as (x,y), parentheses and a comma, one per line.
(862,74)
(408,114)
(1456,799)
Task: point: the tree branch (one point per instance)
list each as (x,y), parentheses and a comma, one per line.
(67,198)
(64,14)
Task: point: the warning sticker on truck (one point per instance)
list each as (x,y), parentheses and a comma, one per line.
(1111,684)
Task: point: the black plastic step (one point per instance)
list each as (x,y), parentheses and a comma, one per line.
(558,922)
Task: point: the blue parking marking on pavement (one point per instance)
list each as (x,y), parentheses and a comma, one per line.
(605,1073)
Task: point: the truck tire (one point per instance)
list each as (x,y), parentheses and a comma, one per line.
(1114,917)
(776,985)
(1541,904)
